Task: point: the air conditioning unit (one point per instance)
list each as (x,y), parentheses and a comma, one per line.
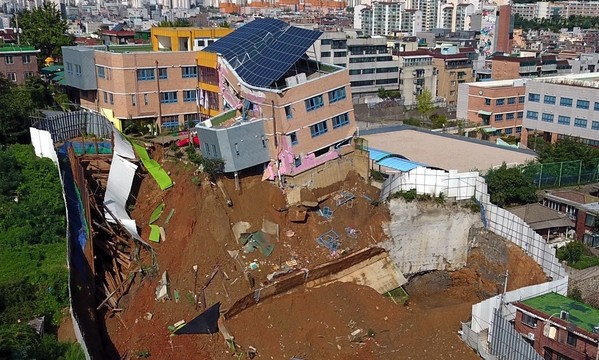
(531,336)
(564,315)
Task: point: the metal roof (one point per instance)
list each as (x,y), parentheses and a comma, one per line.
(263,50)
(398,164)
(377,155)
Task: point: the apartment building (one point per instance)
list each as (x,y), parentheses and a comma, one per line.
(384,18)
(416,74)
(454,67)
(284,112)
(498,106)
(558,327)
(496,27)
(502,67)
(534,11)
(564,106)
(18,63)
(369,61)
(455,16)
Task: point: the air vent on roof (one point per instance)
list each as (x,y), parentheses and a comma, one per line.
(564,315)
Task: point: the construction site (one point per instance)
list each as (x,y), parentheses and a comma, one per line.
(238,267)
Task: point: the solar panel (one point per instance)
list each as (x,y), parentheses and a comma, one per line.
(264,49)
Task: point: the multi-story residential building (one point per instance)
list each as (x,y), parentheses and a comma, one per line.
(17,63)
(454,67)
(369,60)
(558,327)
(455,15)
(495,23)
(504,67)
(384,18)
(564,106)
(429,9)
(533,11)
(416,74)
(584,63)
(283,111)
(498,106)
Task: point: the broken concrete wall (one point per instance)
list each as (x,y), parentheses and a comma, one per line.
(425,237)
(332,172)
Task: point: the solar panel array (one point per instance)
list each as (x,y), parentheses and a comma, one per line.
(263,50)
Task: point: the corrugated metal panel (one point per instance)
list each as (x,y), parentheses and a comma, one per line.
(507,343)
(377,155)
(70,125)
(398,164)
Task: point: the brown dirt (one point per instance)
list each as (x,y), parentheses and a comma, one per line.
(313,323)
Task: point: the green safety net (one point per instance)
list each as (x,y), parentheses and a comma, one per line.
(157,172)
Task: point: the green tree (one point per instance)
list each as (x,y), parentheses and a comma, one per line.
(424,103)
(177,23)
(568,149)
(571,253)
(509,186)
(16,106)
(44,28)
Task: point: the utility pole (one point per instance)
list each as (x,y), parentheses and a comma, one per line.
(159,96)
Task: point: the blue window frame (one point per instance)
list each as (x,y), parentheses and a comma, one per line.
(510,116)
(563,120)
(549,99)
(189,72)
(547,117)
(145,74)
(336,95)
(288,112)
(564,101)
(581,123)
(534,97)
(596,106)
(508,131)
(511,101)
(101,72)
(498,117)
(319,128)
(519,129)
(163,73)
(520,114)
(314,103)
(582,104)
(521,99)
(168,97)
(189,95)
(595,125)
(500,102)
(532,115)
(293,138)
(487,101)
(340,120)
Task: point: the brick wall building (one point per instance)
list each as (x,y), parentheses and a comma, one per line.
(17,63)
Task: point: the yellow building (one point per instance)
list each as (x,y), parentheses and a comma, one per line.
(196,39)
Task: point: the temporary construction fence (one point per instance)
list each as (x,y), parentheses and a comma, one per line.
(565,173)
(66,126)
(471,185)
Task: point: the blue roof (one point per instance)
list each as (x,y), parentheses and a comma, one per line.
(263,50)
(377,155)
(398,164)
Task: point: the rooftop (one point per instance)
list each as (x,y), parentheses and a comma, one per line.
(15,48)
(540,217)
(581,315)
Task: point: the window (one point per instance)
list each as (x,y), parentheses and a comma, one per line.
(498,117)
(105,97)
(340,120)
(510,116)
(314,103)
(293,138)
(581,123)
(101,73)
(563,101)
(529,320)
(146,99)
(8,59)
(297,162)
(518,129)
(28,74)
(582,104)
(563,120)
(162,73)
(77,70)
(571,340)
(520,114)
(189,95)
(336,95)
(595,125)
(168,97)
(319,128)
(500,102)
(145,74)
(368,71)
(191,120)
(26,59)
(508,131)
(111,97)
(547,117)
(452,83)
(596,106)
(340,54)
(133,99)
(487,102)
(534,97)
(532,115)
(12,76)
(189,72)
(70,68)
(511,101)
(325,54)
(288,112)
(521,99)
(589,220)
(549,99)
(355,72)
